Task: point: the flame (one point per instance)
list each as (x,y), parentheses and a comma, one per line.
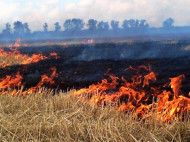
(55,55)
(8,58)
(150,76)
(17,43)
(34,59)
(11,81)
(133,96)
(90,41)
(16,81)
(176,84)
(44,80)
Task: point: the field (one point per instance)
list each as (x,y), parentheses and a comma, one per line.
(88,91)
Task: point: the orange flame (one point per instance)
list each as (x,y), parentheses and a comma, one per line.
(176,84)
(44,80)
(10,81)
(55,55)
(17,43)
(16,81)
(9,57)
(34,59)
(132,97)
(150,76)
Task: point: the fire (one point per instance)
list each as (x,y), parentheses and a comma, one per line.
(34,59)
(14,56)
(176,84)
(136,94)
(11,81)
(16,81)
(17,43)
(147,78)
(45,79)
(91,41)
(10,58)
(134,97)
(55,55)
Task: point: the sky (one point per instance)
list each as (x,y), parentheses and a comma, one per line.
(37,12)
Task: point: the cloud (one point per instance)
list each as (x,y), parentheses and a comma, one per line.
(51,11)
(155,11)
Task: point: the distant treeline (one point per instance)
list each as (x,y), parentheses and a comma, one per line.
(93,28)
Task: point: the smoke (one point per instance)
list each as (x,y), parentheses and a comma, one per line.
(138,51)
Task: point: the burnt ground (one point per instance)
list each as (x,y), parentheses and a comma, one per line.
(74,72)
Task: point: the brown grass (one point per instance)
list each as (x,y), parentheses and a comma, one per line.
(63,117)
(9,61)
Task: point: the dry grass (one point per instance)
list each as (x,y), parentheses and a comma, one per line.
(9,61)
(62,117)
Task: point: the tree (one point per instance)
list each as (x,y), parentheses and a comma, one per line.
(18,27)
(125,24)
(78,24)
(143,25)
(68,25)
(106,26)
(92,24)
(57,27)
(26,28)
(45,26)
(103,26)
(168,23)
(137,24)
(7,30)
(133,23)
(115,25)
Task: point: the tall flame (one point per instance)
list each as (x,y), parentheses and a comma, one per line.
(176,84)
(132,96)
(11,81)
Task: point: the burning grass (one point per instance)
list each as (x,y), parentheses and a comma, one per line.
(63,117)
(15,57)
(133,96)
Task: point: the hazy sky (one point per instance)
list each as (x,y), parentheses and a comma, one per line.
(36,12)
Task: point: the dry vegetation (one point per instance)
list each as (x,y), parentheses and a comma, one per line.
(63,117)
(10,60)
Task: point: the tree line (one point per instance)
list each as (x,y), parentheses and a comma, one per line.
(92,25)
